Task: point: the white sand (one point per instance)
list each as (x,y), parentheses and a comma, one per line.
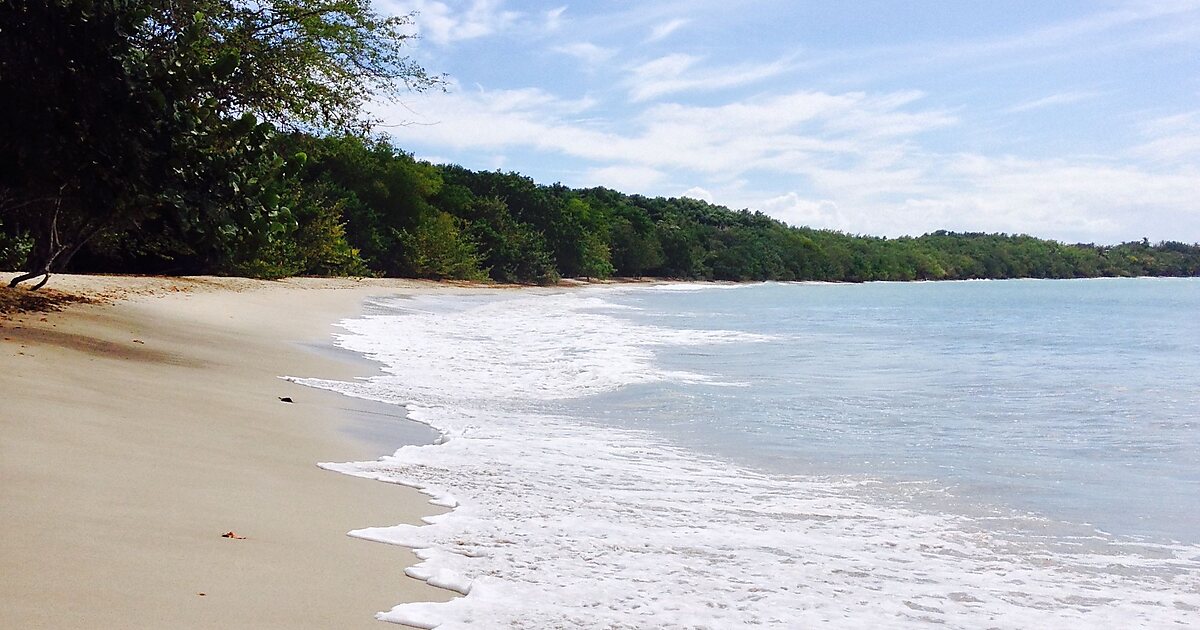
(134,433)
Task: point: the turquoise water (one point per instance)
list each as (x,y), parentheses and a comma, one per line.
(1075,400)
(1018,454)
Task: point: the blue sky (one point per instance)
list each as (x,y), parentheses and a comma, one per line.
(1078,121)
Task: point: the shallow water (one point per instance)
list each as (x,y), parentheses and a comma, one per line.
(978,454)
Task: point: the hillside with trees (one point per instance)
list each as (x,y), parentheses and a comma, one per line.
(223,137)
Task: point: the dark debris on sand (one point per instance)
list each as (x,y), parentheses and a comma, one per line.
(22,300)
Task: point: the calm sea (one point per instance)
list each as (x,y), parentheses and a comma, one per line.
(970,454)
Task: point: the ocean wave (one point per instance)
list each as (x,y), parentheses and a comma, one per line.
(563,523)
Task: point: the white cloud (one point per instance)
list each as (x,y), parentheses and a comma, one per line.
(433,159)
(1171,138)
(798,132)
(1068,199)
(664,30)
(1130,25)
(849,161)
(1062,98)
(444,24)
(1098,24)
(587,52)
(554,18)
(696,192)
(678,72)
(793,209)
(1074,202)
(853,152)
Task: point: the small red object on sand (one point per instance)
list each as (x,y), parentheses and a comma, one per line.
(232,535)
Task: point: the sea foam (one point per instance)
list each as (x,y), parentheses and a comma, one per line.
(558,522)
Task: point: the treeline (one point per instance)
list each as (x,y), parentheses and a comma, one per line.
(364,207)
(405,217)
(226,137)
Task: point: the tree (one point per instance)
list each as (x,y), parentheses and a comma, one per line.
(512,251)
(384,193)
(127,113)
(596,260)
(74,122)
(634,251)
(299,64)
(437,249)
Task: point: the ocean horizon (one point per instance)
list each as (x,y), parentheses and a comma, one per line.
(1005,454)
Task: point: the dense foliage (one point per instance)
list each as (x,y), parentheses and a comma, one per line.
(147,127)
(226,136)
(366,207)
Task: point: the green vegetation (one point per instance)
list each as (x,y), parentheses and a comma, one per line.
(220,136)
(148,128)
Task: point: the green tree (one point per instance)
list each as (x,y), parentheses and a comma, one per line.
(436,248)
(132,113)
(512,251)
(596,260)
(383,191)
(300,64)
(634,251)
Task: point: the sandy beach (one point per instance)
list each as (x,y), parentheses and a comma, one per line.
(139,429)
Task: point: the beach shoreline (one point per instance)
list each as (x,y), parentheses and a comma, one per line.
(140,428)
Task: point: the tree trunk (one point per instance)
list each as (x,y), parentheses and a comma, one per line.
(40,263)
(12,284)
(51,253)
(48,250)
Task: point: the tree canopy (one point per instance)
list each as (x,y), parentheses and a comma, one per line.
(160,116)
(364,206)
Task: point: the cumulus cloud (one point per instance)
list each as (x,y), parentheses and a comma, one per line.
(794,209)
(852,161)
(1055,198)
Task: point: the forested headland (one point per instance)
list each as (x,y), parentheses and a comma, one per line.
(225,137)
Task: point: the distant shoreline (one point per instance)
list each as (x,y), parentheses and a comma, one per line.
(66,289)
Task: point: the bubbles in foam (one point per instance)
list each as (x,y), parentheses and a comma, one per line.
(561,524)
(550,347)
